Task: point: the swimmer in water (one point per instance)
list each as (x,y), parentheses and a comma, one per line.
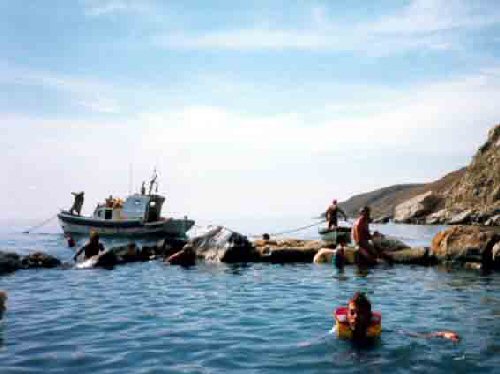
(361,324)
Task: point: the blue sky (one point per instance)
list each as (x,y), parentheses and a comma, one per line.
(247,109)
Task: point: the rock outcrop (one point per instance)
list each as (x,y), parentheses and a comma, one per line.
(9,262)
(3,299)
(39,260)
(479,188)
(416,208)
(287,250)
(185,257)
(469,195)
(464,244)
(222,245)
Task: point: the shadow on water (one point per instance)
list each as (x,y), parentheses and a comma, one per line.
(237,268)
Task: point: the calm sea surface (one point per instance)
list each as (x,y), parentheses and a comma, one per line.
(258,318)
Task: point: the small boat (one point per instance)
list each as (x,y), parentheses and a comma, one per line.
(333,236)
(138,216)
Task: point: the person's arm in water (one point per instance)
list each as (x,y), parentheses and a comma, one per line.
(79,252)
(445,334)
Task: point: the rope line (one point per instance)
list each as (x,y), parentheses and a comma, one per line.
(272,234)
(40,224)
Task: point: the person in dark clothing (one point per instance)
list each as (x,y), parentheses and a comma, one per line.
(78,203)
(92,248)
(339,258)
(331,215)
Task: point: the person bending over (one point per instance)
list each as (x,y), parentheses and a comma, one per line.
(92,248)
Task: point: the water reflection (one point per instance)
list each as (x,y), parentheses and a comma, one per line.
(237,268)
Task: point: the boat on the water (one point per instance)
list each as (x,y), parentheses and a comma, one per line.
(334,235)
(139,215)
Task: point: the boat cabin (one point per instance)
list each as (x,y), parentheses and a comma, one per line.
(136,207)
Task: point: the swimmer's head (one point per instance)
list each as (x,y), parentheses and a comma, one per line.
(359,313)
(94,236)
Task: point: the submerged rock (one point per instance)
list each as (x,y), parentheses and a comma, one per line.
(3,299)
(9,262)
(185,257)
(39,260)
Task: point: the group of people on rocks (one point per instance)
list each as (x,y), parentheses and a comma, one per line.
(367,253)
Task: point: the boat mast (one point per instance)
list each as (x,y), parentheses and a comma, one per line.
(153,181)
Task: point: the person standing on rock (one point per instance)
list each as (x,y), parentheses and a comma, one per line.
(367,254)
(332,213)
(92,248)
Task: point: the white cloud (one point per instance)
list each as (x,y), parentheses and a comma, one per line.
(218,162)
(97,8)
(93,95)
(422,25)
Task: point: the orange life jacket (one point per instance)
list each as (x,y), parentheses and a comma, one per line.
(344,331)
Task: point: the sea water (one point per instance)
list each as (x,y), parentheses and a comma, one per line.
(255,318)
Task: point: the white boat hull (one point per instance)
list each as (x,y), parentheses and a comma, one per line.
(77,225)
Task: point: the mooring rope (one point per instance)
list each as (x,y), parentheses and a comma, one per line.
(289,231)
(40,224)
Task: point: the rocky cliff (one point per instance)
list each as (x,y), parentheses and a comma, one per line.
(479,188)
(467,196)
(384,200)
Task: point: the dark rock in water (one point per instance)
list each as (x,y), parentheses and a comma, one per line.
(9,262)
(3,299)
(39,260)
(223,245)
(132,253)
(107,260)
(466,244)
(185,257)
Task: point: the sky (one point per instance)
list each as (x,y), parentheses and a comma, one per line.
(248,110)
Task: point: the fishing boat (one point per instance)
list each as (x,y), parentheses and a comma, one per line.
(334,235)
(139,215)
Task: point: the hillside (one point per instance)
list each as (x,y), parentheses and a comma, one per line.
(467,195)
(384,200)
(479,188)
(381,201)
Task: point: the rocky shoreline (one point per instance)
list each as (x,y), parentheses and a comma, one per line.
(470,247)
(468,196)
